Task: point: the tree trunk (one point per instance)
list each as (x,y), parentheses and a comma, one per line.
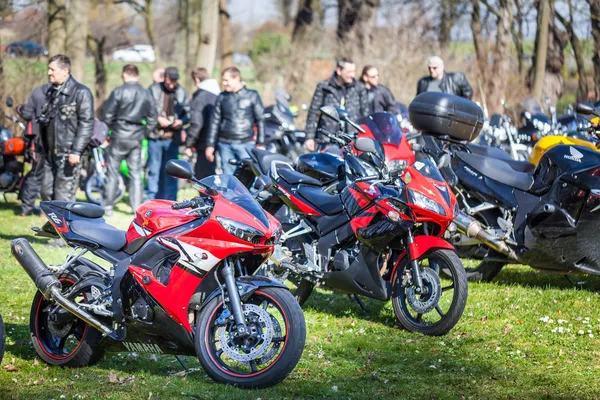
(356,20)
(209,32)
(304,20)
(479,42)
(541,49)
(226,39)
(77,28)
(57,27)
(519,37)
(2,85)
(148,15)
(501,66)
(595,14)
(181,37)
(582,88)
(194,11)
(96,47)
(446,22)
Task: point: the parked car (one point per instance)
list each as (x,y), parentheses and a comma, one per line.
(26,49)
(137,53)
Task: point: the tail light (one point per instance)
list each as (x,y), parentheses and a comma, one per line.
(594,171)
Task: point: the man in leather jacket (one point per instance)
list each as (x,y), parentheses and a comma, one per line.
(202,106)
(130,114)
(66,126)
(379,97)
(236,112)
(172,107)
(340,90)
(440,81)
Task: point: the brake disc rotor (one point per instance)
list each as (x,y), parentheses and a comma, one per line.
(265,336)
(423,303)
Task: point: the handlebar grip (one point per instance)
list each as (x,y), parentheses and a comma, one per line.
(183,204)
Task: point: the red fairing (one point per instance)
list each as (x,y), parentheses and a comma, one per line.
(402,151)
(371,191)
(156,216)
(422,244)
(363,219)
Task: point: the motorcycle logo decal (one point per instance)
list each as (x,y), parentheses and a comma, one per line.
(419,165)
(141,231)
(441,188)
(470,171)
(142,347)
(55,219)
(576,155)
(148,213)
(191,257)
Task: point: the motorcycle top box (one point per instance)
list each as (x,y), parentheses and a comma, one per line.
(445,114)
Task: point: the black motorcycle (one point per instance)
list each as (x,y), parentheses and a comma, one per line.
(281,135)
(545,218)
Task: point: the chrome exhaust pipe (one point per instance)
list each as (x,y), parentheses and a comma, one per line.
(48,284)
(472,228)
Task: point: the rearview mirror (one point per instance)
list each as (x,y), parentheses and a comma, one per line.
(331,112)
(585,109)
(9,102)
(179,169)
(365,144)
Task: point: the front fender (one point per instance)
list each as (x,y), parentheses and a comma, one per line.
(422,244)
(246,286)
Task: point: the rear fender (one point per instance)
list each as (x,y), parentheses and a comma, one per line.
(246,286)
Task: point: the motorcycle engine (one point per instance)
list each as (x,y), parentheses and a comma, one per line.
(7,179)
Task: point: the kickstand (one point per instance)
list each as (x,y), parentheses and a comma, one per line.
(359,301)
(182,364)
(580,284)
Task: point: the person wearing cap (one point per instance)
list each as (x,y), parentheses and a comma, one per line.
(173,110)
(447,82)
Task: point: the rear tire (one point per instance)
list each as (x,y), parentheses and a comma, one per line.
(94,189)
(287,348)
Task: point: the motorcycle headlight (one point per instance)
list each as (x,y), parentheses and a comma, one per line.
(396,167)
(425,202)
(241,231)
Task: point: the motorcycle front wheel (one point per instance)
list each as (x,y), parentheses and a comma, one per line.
(264,357)
(436,310)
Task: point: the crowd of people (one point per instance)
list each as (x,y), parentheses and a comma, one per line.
(228,122)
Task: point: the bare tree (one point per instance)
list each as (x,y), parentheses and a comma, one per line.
(226,39)
(541,48)
(57,27)
(304,19)
(144,9)
(582,88)
(209,33)
(595,19)
(356,21)
(96,47)
(451,10)
(77,32)
(288,9)
(480,46)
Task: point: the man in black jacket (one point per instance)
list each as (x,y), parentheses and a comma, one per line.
(130,114)
(30,111)
(236,112)
(340,90)
(201,109)
(379,97)
(66,126)
(440,81)
(172,107)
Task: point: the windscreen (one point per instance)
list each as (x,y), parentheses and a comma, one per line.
(385,127)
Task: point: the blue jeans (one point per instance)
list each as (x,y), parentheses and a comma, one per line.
(237,151)
(160,185)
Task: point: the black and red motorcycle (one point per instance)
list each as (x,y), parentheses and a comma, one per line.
(180,282)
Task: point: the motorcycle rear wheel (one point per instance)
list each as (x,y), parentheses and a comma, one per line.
(263,359)
(94,189)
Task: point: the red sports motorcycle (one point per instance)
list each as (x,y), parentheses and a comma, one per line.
(180,282)
(380,238)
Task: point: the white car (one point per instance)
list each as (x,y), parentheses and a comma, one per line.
(137,53)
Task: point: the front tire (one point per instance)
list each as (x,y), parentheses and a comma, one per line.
(437,311)
(268,355)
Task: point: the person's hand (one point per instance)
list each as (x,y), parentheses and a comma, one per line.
(310,144)
(74,159)
(188,152)
(177,124)
(163,122)
(210,154)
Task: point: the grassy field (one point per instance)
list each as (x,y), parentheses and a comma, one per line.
(526,335)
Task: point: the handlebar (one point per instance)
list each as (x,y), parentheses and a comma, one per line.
(193,203)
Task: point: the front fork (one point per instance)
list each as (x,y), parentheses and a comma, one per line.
(235,302)
(414,263)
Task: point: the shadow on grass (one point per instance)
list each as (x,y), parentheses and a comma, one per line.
(30,238)
(531,278)
(20,340)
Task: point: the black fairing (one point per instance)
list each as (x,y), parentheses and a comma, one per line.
(324,167)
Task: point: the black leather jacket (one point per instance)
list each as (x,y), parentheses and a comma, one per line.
(454,83)
(182,105)
(126,110)
(70,122)
(234,117)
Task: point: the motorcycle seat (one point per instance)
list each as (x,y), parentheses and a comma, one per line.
(100,232)
(265,158)
(497,170)
(86,210)
(294,177)
(329,204)
(494,152)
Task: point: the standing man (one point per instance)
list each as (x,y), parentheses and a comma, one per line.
(130,113)
(440,81)
(172,107)
(379,97)
(30,111)
(66,126)
(202,105)
(340,90)
(237,110)
(158,75)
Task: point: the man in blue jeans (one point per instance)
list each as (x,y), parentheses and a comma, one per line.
(237,111)
(172,106)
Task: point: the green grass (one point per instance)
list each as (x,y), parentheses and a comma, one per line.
(500,349)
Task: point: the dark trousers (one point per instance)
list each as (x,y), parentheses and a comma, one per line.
(131,152)
(31,186)
(203,167)
(61,179)
(159,184)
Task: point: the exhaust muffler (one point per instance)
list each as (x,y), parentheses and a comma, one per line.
(48,284)
(472,228)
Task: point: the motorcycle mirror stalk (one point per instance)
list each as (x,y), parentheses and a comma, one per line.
(586,109)
(182,169)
